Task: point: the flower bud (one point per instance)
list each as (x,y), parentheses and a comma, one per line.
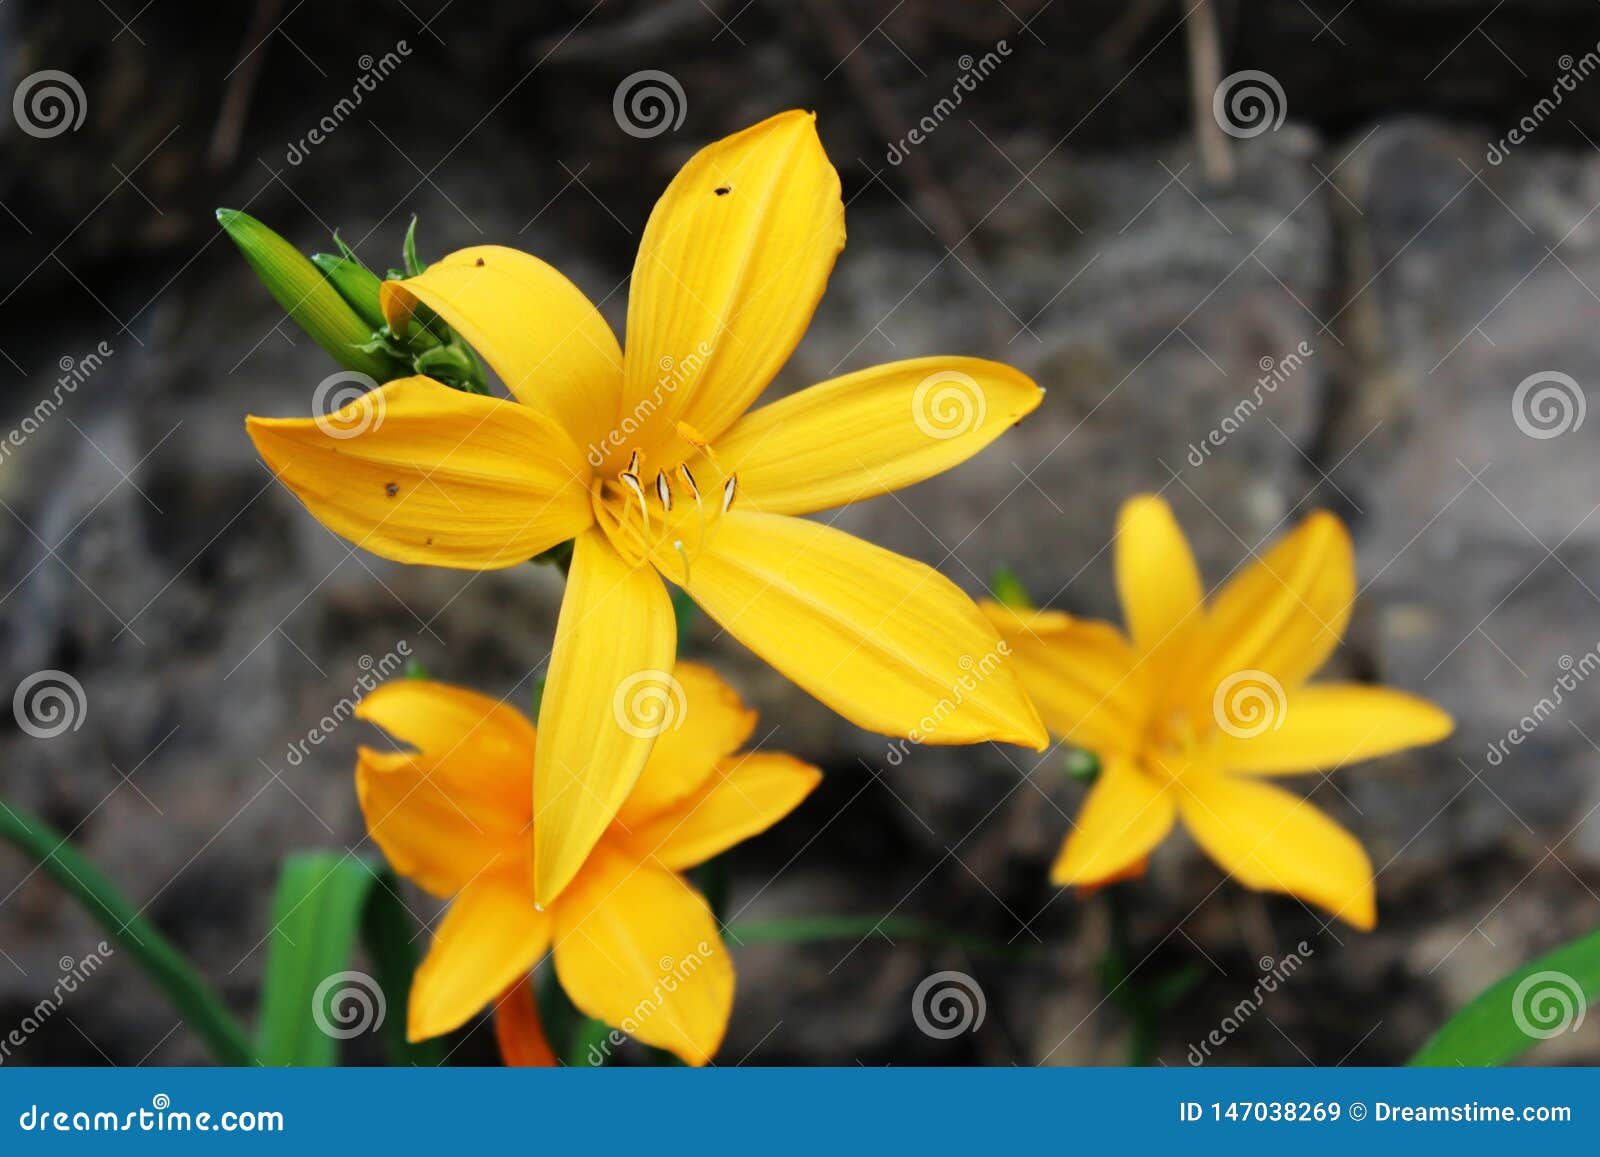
(308,298)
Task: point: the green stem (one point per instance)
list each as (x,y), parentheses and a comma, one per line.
(802,929)
(1121,986)
(202,1009)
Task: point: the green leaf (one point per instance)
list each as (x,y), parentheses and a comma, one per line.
(389,934)
(201,1008)
(1537,1001)
(312,999)
(308,297)
(414,265)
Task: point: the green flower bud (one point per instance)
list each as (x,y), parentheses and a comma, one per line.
(1081,765)
(1008,589)
(314,304)
(357,284)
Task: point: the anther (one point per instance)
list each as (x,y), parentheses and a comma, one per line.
(729,488)
(664,491)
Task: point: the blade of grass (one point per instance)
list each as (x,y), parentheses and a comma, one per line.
(201,1008)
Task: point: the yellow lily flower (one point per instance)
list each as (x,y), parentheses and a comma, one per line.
(634,944)
(652,465)
(1196,704)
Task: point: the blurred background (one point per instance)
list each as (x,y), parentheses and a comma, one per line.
(1352,220)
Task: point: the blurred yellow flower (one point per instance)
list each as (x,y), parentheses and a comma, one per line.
(1195,704)
(634,945)
(653,466)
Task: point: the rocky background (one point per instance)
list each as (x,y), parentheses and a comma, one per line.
(1062,218)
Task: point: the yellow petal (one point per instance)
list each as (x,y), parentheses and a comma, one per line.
(1081,674)
(535,328)
(714,722)
(441,821)
(1327,725)
(731,266)
(491,935)
(746,795)
(609,694)
(639,949)
(1273,841)
(1126,815)
(872,432)
(518,1030)
(489,740)
(421,473)
(1157,580)
(890,644)
(1284,613)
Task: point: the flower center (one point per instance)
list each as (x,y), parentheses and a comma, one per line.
(666,515)
(1171,742)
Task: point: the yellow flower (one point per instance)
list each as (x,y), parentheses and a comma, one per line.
(634,944)
(652,464)
(1197,703)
